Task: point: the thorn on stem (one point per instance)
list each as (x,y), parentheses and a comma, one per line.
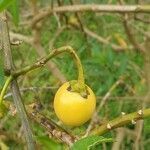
(13,110)
(108,126)
(140,112)
(123,113)
(133,122)
(56,133)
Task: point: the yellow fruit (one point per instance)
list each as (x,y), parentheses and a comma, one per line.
(71,108)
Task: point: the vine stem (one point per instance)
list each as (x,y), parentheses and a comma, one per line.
(121,121)
(9,79)
(53,53)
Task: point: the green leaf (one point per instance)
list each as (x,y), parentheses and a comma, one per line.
(89,142)
(14,9)
(4,4)
(47,143)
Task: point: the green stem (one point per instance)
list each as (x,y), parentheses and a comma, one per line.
(9,79)
(81,80)
(121,121)
(52,54)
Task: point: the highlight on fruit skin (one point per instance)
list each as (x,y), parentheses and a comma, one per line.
(72,108)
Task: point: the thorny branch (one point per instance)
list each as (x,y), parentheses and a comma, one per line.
(9,67)
(121,121)
(53,129)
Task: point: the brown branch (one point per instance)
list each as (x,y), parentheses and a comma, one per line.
(129,31)
(102,40)
(33,89)
(93,8)
(53,129)
(17,36)
(138,131)
(145,33)
(62,16)
(119,138)
(79,20)
(8,62)
(9,67)
(131,35)
(138,18)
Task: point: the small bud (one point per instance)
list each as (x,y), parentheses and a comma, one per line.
(108,126)
(133,121)
(140,112)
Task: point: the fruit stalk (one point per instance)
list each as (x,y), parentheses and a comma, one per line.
(53,53)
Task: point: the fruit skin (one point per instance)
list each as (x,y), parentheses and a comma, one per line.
(71,108)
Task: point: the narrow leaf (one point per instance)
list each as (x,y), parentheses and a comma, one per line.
(89,142)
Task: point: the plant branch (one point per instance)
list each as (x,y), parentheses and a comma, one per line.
(53,129)
(32,89)
(8,62)
(121,121)
(130,33)
(93,8)
(9,67)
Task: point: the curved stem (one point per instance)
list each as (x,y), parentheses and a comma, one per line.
(81,80)
(52,54)
(9,79)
